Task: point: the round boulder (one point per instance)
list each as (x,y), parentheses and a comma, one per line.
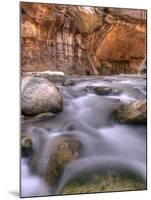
(38,95)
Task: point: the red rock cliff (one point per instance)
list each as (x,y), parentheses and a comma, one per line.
(82,40)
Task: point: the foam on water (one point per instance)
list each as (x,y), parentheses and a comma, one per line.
(31,185)
(123,98)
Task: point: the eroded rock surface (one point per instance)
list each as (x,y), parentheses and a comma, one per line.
(82,40)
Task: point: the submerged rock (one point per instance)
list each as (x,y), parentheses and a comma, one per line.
(134,113)
(26,145)
(102,90)
(38,95)
(61,151)
(108,182)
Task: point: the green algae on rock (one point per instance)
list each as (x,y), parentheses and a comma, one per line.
(108,182)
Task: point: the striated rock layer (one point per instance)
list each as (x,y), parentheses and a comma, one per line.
(82,40)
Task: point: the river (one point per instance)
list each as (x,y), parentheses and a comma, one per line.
(106,143)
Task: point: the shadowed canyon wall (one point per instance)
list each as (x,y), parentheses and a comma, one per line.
(82,40)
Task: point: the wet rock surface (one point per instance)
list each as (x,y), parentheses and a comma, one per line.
(66,150)
(108,182)
(61,151)
(134,113)
(101,90)
(106,91)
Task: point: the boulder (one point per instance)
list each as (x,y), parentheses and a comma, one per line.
(61,151)
(38,95)
(133,113)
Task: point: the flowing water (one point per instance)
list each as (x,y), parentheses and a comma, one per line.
(87,117)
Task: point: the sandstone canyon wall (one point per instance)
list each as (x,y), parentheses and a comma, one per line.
(82,40)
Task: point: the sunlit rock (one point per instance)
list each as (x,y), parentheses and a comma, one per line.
(82,40)
(134,113)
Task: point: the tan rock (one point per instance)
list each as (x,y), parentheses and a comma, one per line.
(38,95)
(134,113)
(61,151)
(82,40)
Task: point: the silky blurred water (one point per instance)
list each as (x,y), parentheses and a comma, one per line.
(106,143)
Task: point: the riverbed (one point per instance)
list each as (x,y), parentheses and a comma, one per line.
(106,144)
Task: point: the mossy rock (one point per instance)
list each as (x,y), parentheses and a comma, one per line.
(133,113)
(26,145)
(102,90)
(68,83)
(62,150)
(108,182)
